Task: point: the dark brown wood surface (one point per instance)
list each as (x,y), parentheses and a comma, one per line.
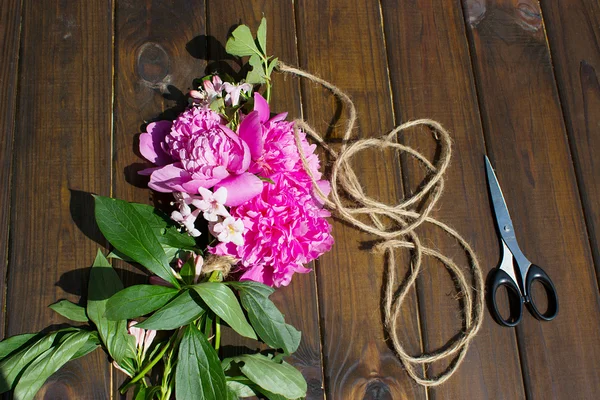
(573,30)
(79,80)
(431,76)
(527,142)
(10,32)
(61,149)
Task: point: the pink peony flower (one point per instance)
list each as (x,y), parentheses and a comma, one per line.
(198,151)
(285,229)
(275,149)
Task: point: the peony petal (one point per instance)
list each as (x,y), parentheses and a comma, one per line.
(279,117)
(257,273)
(168,179)
(148,171)
(261,105)
(241,188)
(150,142)
(251,132)
(245,162)
(193,185)
(325,187)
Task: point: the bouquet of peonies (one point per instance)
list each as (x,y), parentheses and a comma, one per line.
(238,177)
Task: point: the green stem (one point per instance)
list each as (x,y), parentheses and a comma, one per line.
(208,325)
(267,78)
(217,333)
(147,368)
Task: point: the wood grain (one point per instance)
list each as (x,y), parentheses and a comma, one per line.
(10,32)
(526,139)
(431,77)
(573,30)
(62,147)
(154,69)
(299,300)
(342,41)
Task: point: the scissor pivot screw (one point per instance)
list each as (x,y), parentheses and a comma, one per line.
(506,228)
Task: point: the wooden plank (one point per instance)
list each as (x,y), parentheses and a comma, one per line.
(573,30)
(431,77)
(62,147)
(155,66)
(298,301)
(526,140)
(342,41)
(10,31)
(154,69)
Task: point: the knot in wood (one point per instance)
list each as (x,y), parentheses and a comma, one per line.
(377,390)
(153,63)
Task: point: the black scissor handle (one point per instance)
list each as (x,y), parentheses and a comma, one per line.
(535,273)
(501,278)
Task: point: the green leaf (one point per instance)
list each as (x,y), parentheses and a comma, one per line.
(241,43)
(257,74)
(11,366)
(12,344)
(231,395)
(133,236)
(152,391)
(46,364)
(266,319)
(271,396)
(282,379)
(257,287)
(165,229)
(92,344)
(198,375)
(217,104)
(104,283)
(70,311)
(182,310)
(119,256)
(140,393)
(272,64)
(138,300)
(240,387)
(261,35)
(221,300)
(188,271)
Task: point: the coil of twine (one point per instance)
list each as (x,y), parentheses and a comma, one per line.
(401,235)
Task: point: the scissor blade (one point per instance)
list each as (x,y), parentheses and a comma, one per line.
(505,225)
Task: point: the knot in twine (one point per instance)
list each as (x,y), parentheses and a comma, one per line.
(223,264)
(406,218)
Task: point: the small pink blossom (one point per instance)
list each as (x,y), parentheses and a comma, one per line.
(187,218)
(214,88)
(212,204)
(229,230)
(143,337)
(234,92)
(198,264)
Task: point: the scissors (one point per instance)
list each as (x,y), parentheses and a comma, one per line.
(515,272)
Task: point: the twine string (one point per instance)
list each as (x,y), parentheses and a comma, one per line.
(405,218)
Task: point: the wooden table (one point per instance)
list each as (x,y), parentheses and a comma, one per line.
(78,79)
